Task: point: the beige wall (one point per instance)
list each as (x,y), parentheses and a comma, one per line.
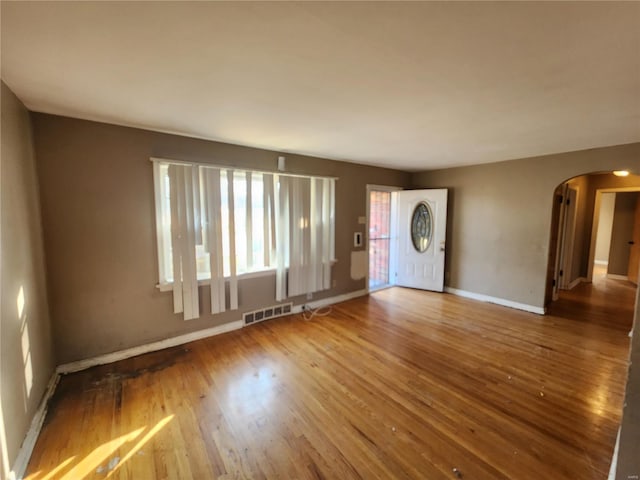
(26,352)
(622,232)
(498,239)
(500,215)
(605,223)
(99,227)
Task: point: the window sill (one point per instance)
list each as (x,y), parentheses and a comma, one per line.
(168,286)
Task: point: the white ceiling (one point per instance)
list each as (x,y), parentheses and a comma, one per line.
(413,86)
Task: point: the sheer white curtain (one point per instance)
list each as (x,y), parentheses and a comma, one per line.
(305,234)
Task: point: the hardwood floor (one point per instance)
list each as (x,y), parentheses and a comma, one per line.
(604,302)
(401,384)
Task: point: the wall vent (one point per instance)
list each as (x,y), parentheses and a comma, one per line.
(267,312)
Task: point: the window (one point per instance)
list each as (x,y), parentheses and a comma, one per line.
(215,223)
(253,243)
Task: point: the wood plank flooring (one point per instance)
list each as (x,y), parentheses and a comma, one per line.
(401,384)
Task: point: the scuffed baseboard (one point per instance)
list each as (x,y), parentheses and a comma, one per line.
(147,348)
(324,302)
(26,449)
(498,301)
(24,454)
(189,337)
(614,459)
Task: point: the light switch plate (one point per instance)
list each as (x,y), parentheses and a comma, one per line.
(357,239)
(362,220)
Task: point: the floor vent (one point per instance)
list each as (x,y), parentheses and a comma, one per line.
(267,313)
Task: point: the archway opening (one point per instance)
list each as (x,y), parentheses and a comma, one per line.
(592,277)
(594,250)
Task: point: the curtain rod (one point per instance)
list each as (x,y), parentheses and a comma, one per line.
(229,167)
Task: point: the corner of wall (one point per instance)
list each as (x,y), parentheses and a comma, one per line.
(25,324)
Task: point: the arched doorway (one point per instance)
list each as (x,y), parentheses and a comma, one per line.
(592,229)
(592,272)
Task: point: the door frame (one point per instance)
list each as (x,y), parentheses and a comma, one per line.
(596,221)
(561,191)
(393,231)
(568,236)
(566,229)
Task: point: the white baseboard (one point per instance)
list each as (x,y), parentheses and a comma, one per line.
(22,459)
(578,280)
(324,302)
(601,262)
(149,347)
(189,337)
(614,459)
(26,449)
(615,276)
(499,301)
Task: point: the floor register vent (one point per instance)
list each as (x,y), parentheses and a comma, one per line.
(267,313)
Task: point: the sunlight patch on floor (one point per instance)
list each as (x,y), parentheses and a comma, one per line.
(159,426)
(104,460)
(51,475)
(91,462)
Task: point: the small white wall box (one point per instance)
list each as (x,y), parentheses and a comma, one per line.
(281,164)
(357,239)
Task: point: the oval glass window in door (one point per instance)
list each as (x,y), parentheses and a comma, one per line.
(421,227)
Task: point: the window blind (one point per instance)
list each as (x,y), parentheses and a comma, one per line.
(215,223)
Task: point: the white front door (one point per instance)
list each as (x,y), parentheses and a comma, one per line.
(422,228)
